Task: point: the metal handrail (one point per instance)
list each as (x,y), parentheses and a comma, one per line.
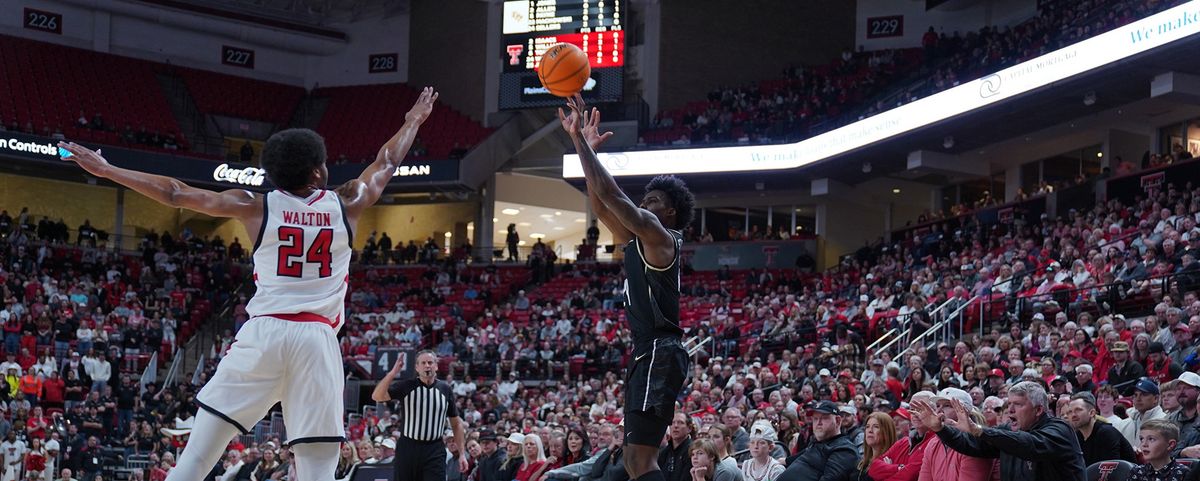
(932,329)
(959,313)
(939,327)
(895,340)
(885,335)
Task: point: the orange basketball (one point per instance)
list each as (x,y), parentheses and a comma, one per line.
(564,70)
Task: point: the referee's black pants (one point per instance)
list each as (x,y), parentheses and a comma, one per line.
(420,460)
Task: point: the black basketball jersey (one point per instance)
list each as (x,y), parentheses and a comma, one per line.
(652,294)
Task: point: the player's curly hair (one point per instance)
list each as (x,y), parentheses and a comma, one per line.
(681,198)
(290,156)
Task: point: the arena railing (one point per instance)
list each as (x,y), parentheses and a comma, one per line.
(904,330)
(1103,298)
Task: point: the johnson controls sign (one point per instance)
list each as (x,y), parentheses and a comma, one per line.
(44,152)
(249,176)
(1104,49)
(42,148)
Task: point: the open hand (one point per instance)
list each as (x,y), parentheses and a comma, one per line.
(928,415)
(964,422)
(90,160)
(573,123)
(591,126)
(420,111)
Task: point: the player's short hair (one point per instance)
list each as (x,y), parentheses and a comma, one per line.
(681,198)
(290,156)
(423,352)
(1167,429)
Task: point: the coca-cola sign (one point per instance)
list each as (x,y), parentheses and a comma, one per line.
(251,176)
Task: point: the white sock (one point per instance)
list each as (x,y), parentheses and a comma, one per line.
(316,461)
(206,444)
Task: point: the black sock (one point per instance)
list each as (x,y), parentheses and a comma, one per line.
(655,475)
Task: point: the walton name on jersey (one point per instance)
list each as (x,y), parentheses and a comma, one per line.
(319,219)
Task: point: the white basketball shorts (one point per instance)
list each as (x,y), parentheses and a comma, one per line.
(295,363)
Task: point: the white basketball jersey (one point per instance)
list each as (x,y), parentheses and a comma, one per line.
(302,257)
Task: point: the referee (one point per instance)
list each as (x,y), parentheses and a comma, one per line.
(426,404)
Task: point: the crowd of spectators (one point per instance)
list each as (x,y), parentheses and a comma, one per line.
(783,383)
(812,100)
(80,324)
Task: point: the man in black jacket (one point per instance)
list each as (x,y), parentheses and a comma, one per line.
(831,456)
(674,459)
(1042,448)
(490,459)
(1124,371)
(1099,441)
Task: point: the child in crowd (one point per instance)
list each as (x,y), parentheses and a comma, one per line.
(1158,438)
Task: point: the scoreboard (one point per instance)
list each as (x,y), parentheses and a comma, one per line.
(533,26)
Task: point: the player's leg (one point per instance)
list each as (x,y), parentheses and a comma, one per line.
(210,435)
(644,431)
(313,386)
(316,461)
(658,383)
(641,462)
(241,392)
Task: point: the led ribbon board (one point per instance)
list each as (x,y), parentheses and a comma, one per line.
(1146,34)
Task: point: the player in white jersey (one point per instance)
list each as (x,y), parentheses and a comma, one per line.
(288,351)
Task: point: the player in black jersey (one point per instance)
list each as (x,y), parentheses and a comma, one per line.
(653,238)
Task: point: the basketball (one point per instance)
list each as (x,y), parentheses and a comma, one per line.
(564,70)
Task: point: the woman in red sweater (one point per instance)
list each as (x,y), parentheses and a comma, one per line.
(535,458)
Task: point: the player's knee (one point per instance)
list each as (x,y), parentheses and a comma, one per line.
(639,461)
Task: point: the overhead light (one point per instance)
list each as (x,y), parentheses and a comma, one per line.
(537,235)
(895,191)
(495,219)
(558,228)
(948,142)
(558,212)
(546,216)
(510,211)
(448,235)
(520,243)
(1100,154)
(524,224)
(866,167)
(580,220)
(1089,99)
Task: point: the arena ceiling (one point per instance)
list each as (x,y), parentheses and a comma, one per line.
(318,13)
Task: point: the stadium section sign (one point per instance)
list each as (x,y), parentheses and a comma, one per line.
(1146,34)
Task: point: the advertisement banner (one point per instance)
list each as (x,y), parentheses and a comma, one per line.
(222,175)
(746,255)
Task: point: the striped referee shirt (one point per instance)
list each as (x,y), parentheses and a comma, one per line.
(425,409)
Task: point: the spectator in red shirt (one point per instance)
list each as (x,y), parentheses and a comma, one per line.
(25,359)
(38,423)
(53,390)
